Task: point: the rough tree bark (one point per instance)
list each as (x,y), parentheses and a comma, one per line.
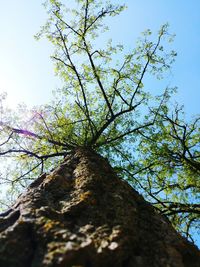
(82,214)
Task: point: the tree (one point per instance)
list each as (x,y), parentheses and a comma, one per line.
(82,214)
(104,106)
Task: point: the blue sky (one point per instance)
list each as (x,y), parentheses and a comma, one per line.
(26,71)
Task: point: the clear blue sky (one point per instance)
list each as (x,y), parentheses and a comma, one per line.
(26,71)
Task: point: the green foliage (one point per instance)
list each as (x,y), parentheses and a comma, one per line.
(98,91)
(105,104)
(169,154)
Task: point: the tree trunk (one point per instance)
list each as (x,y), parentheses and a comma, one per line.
(82,214)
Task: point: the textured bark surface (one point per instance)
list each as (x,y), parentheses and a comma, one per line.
(82,214)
